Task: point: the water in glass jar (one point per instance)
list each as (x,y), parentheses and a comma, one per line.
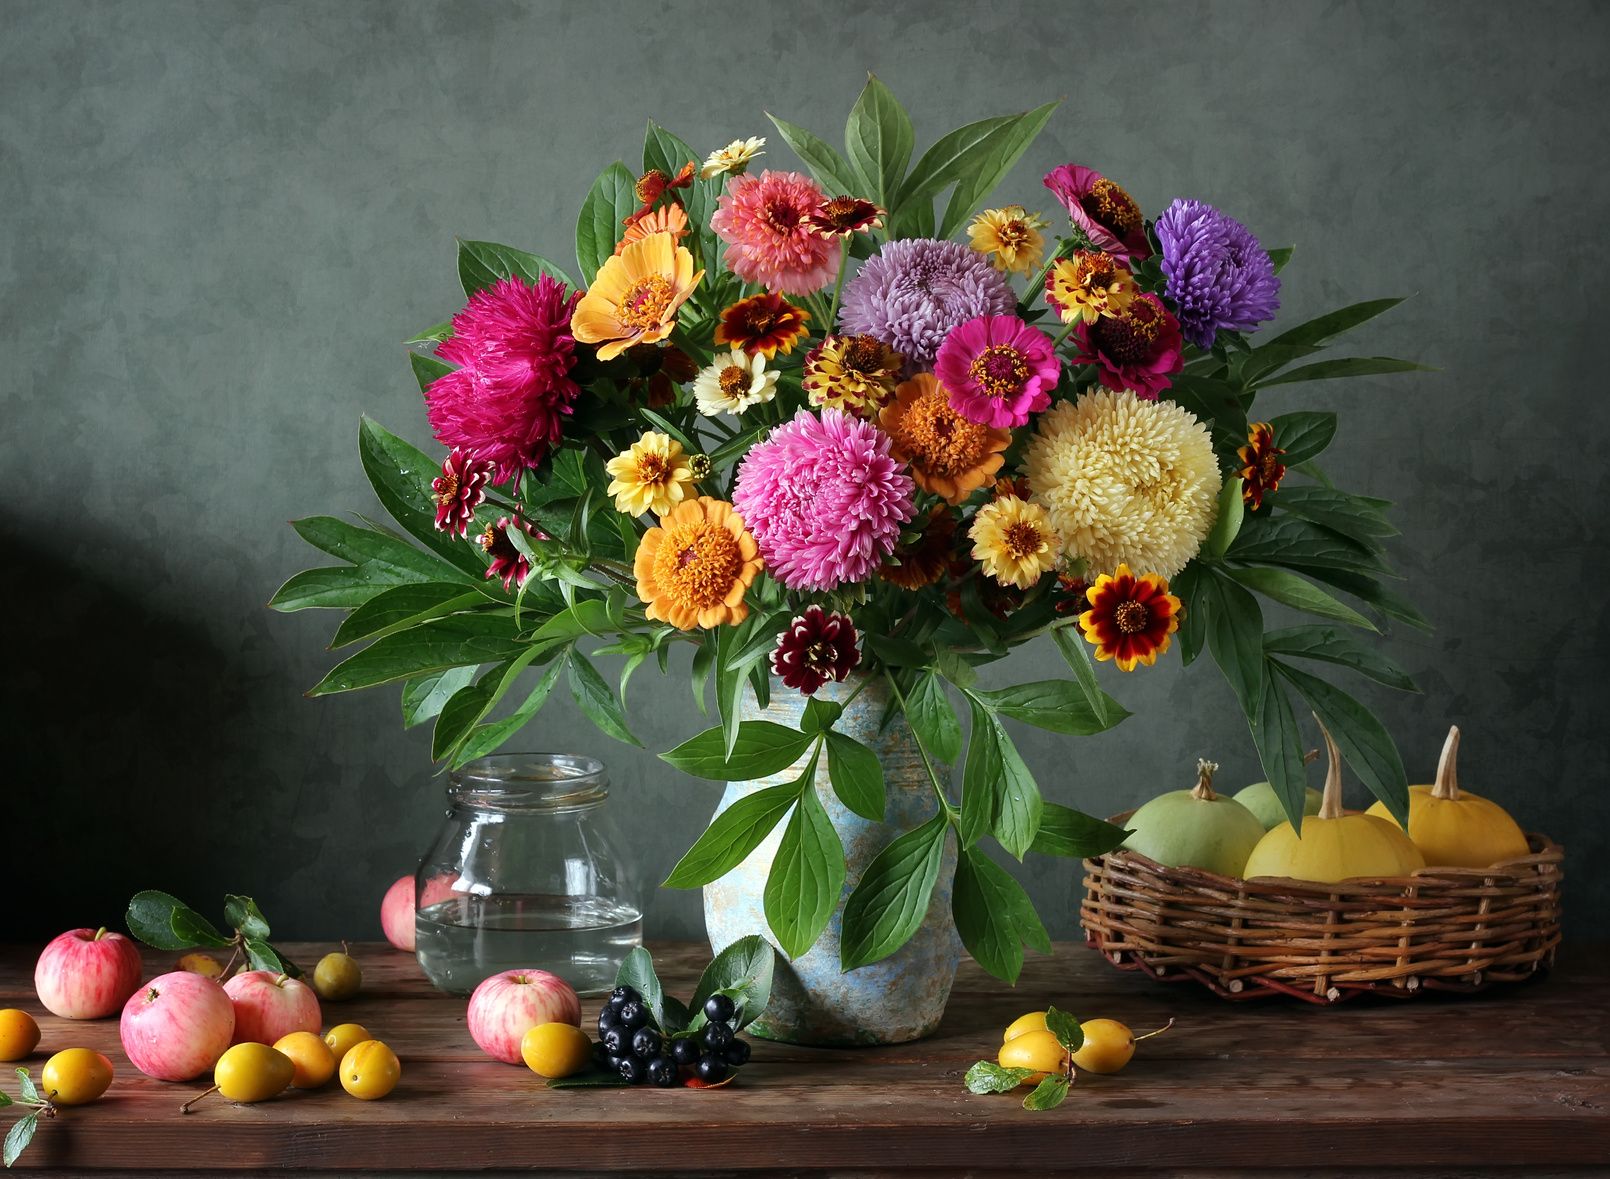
(581,939)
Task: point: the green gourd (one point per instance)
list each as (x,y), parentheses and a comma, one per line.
(1260,798)
(1195,828)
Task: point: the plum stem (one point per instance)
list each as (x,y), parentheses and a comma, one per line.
(185,1108)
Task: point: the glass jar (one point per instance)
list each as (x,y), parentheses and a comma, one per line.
(524,874)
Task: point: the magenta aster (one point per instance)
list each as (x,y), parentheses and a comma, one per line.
(508,562)
(1138,349)
(507,400)
(1107,214)
(459,490)
(824,498)
(766,222)
(998,370)
(818,646)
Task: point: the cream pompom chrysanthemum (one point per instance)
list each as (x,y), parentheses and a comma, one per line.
(1125,481)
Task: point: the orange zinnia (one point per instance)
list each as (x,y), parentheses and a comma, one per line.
(765,323)
(1130,618)
(694,568)
(635,296)
(948,455)
(668,219)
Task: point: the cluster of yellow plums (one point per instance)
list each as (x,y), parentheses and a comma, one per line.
(73,1076)
(1027,1043)
(248,1073)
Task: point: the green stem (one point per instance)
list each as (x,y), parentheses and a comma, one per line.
(838,285)
(927,762)
(1064,334)
(1037,287)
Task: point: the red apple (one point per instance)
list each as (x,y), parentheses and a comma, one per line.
(176,1027)
(506,1006)
(87,973)
(397,914)
(269,1006)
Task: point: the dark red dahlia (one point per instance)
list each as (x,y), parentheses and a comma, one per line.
(818,646)
(508,562)
(459,490)
(1139,349)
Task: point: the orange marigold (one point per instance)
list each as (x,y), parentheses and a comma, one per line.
(694,568)
(948,455)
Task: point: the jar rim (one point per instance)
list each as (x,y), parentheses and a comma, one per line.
(529,781)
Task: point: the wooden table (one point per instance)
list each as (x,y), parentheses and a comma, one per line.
(1510,1079)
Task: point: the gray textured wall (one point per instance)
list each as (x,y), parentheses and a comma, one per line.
(219,219)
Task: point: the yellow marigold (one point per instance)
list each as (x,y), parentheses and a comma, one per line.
(694,568)
(949,455)
(1126,481)
(654,475)
(1014,541)
(635,296)
(855,373)
(1010,237)
(1089,285)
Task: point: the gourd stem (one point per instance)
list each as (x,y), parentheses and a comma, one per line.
(1204,779)
(1447,783)
(1330,806)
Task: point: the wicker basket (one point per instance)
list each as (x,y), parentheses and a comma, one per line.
(1441,929)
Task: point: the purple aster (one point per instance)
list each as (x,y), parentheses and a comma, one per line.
(912,292)
(1218,275)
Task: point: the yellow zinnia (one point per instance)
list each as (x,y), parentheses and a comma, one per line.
(1013,541)
(635,296)
(1088,285)
(1010,237)
(654,475)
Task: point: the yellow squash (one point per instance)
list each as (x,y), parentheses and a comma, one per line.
(1454,828)
(1334,845)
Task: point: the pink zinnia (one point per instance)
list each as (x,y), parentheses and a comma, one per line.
(765,221)
(998,370)
(824,499)
(459,490)
(1107,214)
(1138,349)
(507,400)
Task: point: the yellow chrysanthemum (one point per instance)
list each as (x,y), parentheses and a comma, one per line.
(1010,237)
(694,569)
(1089,285)
(734,158)
(654,475)
(635,296)
(1125,481)
(1014,541)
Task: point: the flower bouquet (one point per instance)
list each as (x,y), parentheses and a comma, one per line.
(850,426)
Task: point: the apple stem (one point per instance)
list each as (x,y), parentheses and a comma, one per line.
(185,1108)
(99,934)
(1155,1031)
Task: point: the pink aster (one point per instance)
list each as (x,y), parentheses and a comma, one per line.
(459,490)
(998,370)
(1107,214)
(819,645)
(507,400)
(766,222)
(824,498)
(1138,349)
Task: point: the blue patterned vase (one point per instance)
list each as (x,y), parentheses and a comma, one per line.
(889,1002)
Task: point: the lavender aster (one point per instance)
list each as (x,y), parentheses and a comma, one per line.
(1218,275)
(912,292)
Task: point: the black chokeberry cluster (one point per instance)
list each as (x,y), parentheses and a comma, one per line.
(630,1044)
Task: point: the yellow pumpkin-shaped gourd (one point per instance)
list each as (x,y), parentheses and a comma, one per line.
(1454,828)
(1334,845)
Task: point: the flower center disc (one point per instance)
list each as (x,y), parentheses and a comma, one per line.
(734,381)
(939,439)
(1023,540)
(1130,338)
(1131,617)
(1013,234)
(1000,371)
(645,302)
(1112,208)
(864,354)
(449,491)
(698,563)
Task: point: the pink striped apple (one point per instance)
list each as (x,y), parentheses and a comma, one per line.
(506,1006)
(87,973)
(175,1027)
(269,1006)
(397,914)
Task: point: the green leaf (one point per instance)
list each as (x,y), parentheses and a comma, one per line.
(243,914)
(878,139)
(829,168)
(1375,594)
(402,607)
(857,776)
(989,163)
(1303,435)
(1074,834)
(485,738)
(26,1087)
(1280,255)
(1018,805)
(1334,646)
(164,922)
(1279,744)
(1235,637)
(1288,589)
(963,151)
(460,714)
(807,875)
(1352,515)
(892,897)
(743,972)
(763,748)
(1348,366)
(1232,508)
(598,700)
(982,776)
(5,1098)
(455,641)
(401,476)
(424,696)
(482,264)
(1060,706)
(428,369)
(263,956)
(1326,328)
(365,546)
(1076,654)
(610,201)
(934,720)
(994,916)
(431,335)
(1065,1028)
(1216,403)
(637,971)
(732,835)
(18,1138)
(1191,587)
(1286,540)
(1363,739)
(1048,1094)
(820,715)
(341,587)
(668,153)
(988,1077)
